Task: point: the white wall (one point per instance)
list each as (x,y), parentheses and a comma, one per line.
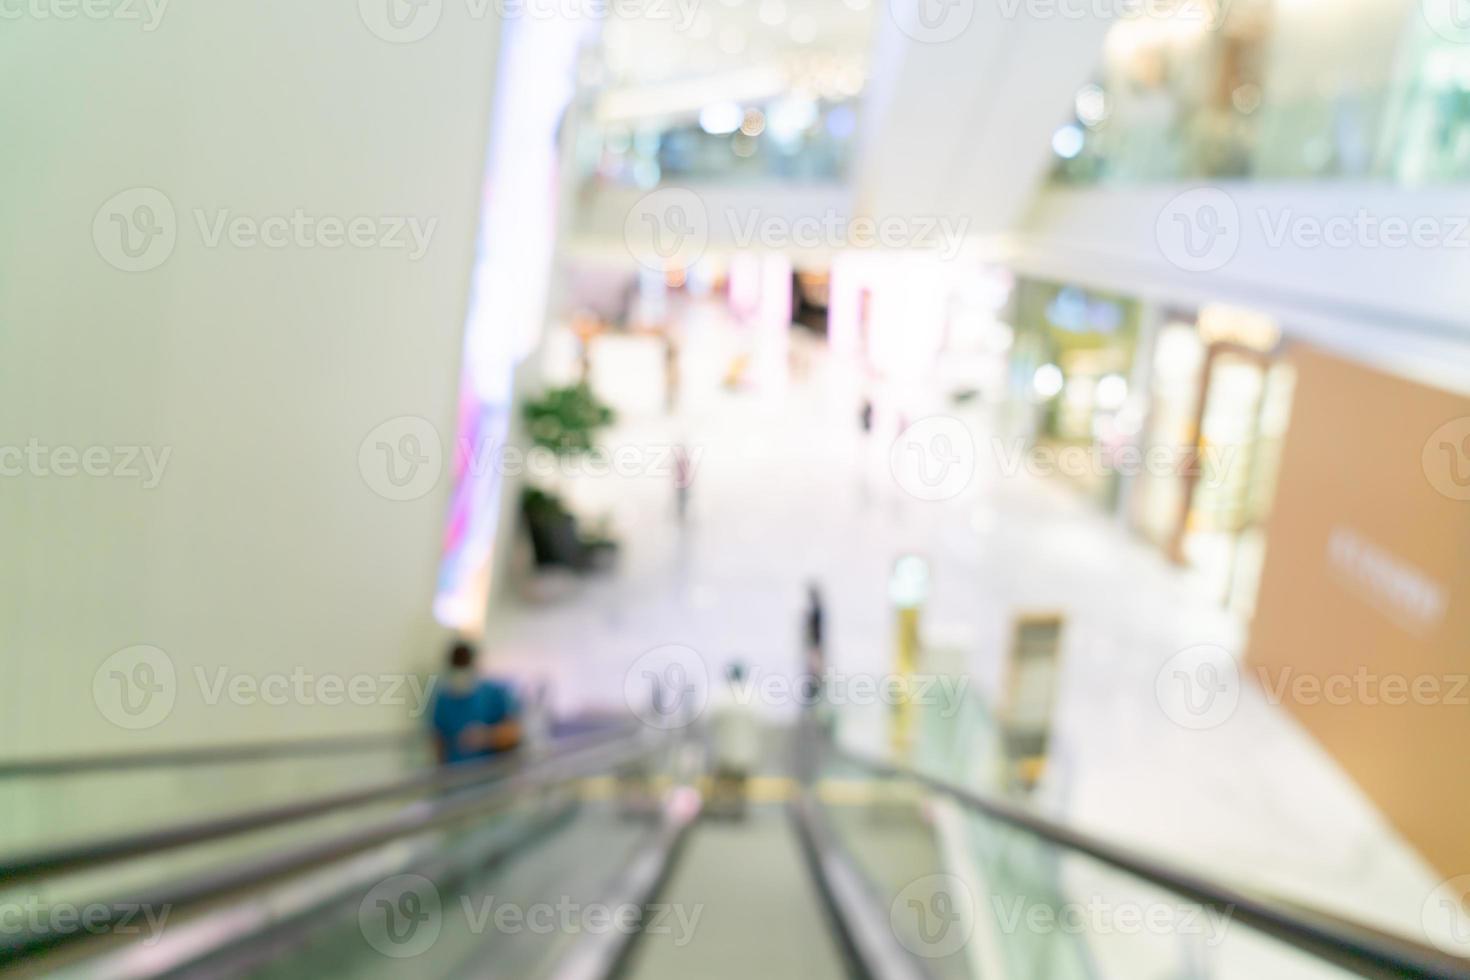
(260,370)
(1331,261)
(726,217)
(958,120)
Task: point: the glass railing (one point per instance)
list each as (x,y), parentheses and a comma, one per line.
(41,807)
(1265,90)
(982,874)
(1348,137)
(792,140)
(555,864)
(294,883)
(977,885)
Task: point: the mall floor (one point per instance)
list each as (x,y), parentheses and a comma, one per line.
(787,489)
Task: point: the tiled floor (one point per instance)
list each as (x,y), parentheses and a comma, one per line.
(787,491)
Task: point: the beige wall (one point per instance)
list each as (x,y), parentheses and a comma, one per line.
(1367,591)
(260,371)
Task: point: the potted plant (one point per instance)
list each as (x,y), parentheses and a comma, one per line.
(564,421)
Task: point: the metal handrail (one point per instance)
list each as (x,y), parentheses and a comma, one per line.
(207,755)
(859,924)
(1346,943)
(214,886)
(94,854)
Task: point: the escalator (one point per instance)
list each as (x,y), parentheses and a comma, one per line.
(596,857)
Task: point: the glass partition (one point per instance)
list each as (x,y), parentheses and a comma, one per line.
(1274,90)
(971,896)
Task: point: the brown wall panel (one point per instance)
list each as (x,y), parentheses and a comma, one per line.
(1363,623)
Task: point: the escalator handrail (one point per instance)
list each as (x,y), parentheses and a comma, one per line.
(70,858)
(214,886)
(207,755)
(1327,936)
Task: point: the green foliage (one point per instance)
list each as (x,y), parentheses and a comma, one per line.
(542,506)
(566,420)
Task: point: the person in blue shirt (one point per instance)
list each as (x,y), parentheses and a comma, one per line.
(473,717)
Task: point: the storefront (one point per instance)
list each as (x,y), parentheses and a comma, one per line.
(1219,398)
(1178,414)
(1071,364)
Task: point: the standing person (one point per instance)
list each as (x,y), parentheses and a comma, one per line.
(813,623)
(473,717)
(814,725)
(735,745)
(671,374)
(812,629)
(865,422)
(683,478)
